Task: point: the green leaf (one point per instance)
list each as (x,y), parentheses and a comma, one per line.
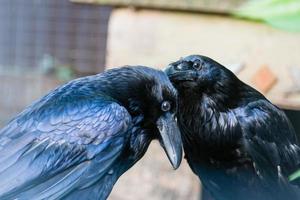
(284,14)
(64,73)
(294,175)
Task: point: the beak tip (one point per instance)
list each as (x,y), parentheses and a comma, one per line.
(170,139)
(176,165)
(167,69)
(176,160)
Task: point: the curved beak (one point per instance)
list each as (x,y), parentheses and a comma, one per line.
(170,138)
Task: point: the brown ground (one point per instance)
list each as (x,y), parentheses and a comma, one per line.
(153,178)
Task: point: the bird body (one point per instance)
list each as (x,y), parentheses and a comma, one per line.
(75,142)
(239,144)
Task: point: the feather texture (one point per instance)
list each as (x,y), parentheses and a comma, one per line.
(239,144)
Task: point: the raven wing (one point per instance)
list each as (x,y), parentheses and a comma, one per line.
(270,140)
(58,146)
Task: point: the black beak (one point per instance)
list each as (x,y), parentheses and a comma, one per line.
(170,138)
(180,75)
(169,69)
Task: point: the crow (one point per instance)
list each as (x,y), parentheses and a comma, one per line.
(75,142)
(240,145)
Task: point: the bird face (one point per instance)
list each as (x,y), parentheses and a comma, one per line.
(151,99)
(195,73)
(159,107)
(169,136)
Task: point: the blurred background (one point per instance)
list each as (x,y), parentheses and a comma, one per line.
(44,43)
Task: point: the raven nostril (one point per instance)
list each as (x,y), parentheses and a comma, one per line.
(179,67)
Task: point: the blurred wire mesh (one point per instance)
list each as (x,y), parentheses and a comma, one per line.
(45,42)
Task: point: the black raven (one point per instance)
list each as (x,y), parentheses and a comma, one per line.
(239,144)
(75,142)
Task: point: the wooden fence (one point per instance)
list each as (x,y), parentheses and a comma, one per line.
(215,6)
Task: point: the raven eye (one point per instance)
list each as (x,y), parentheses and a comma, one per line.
(197,66)
(165,106)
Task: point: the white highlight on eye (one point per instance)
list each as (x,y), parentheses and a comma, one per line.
(165,106)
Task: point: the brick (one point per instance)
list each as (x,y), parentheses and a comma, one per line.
(264,79)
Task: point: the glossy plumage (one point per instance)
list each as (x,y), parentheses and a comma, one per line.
(240,145)
(76,141)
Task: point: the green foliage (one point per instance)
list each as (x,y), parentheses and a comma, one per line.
(49,66)
(294,176)
(284,14)
(64,73)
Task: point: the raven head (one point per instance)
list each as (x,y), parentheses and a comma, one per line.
(200,76)
(151,99)
(157,101)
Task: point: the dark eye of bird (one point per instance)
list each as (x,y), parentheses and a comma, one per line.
(165,106)
(197,66)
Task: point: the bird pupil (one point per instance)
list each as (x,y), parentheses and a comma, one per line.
(196,66)
(165,106)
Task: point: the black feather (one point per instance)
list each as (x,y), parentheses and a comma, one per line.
(238,143)
(76,141)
